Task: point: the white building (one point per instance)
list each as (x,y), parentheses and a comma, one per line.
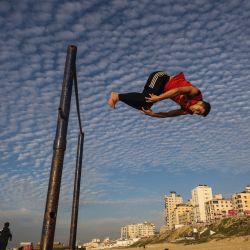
(140,230)
(95,243)
(126,243)
(218,208)
(171,202)
(200,195)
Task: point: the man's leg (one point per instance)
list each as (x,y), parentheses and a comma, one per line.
(3,245)
(134,100)
(154,85)
(156,82)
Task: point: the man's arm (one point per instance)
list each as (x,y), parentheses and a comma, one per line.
(171,113)
(190,91)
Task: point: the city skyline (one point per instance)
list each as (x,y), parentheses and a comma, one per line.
(130,161)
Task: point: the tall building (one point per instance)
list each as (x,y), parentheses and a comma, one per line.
(140,230)
(171,202)
(200,195)
(183,214)
(241,201)
(218,208)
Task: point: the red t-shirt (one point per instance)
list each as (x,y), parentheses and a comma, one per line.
(184,101)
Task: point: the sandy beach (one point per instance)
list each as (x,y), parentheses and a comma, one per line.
(236,243)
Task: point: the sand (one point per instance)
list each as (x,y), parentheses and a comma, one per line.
(236,243)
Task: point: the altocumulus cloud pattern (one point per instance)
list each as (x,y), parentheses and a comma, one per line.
(120,43)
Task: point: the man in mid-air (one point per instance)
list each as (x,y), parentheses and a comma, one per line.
(161,86)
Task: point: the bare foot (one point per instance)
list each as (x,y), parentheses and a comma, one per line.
(113,99)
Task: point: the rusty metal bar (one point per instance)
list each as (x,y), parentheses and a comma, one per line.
(50,214)
(76,193)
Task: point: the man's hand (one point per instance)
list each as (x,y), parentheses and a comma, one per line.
(147,112)
(152,98)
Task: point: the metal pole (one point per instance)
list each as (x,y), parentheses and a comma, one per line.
(50,214)
(76,194)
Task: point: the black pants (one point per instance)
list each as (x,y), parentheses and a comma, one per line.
(154,85)
(3,244)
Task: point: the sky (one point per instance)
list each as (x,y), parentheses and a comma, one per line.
(130,161)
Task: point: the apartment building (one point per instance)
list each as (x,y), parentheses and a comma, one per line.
(146,229)
(218,208)
(183,214)
(200,195)
(241,201)
(140,230)
(129,231)
(171,202)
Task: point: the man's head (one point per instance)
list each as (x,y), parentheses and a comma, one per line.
(201,108)
(207,108)
(6,224)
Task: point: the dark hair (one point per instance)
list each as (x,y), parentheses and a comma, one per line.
(207,107)
(6,224)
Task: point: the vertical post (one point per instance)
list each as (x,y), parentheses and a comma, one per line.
(76,194)
(50,214)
